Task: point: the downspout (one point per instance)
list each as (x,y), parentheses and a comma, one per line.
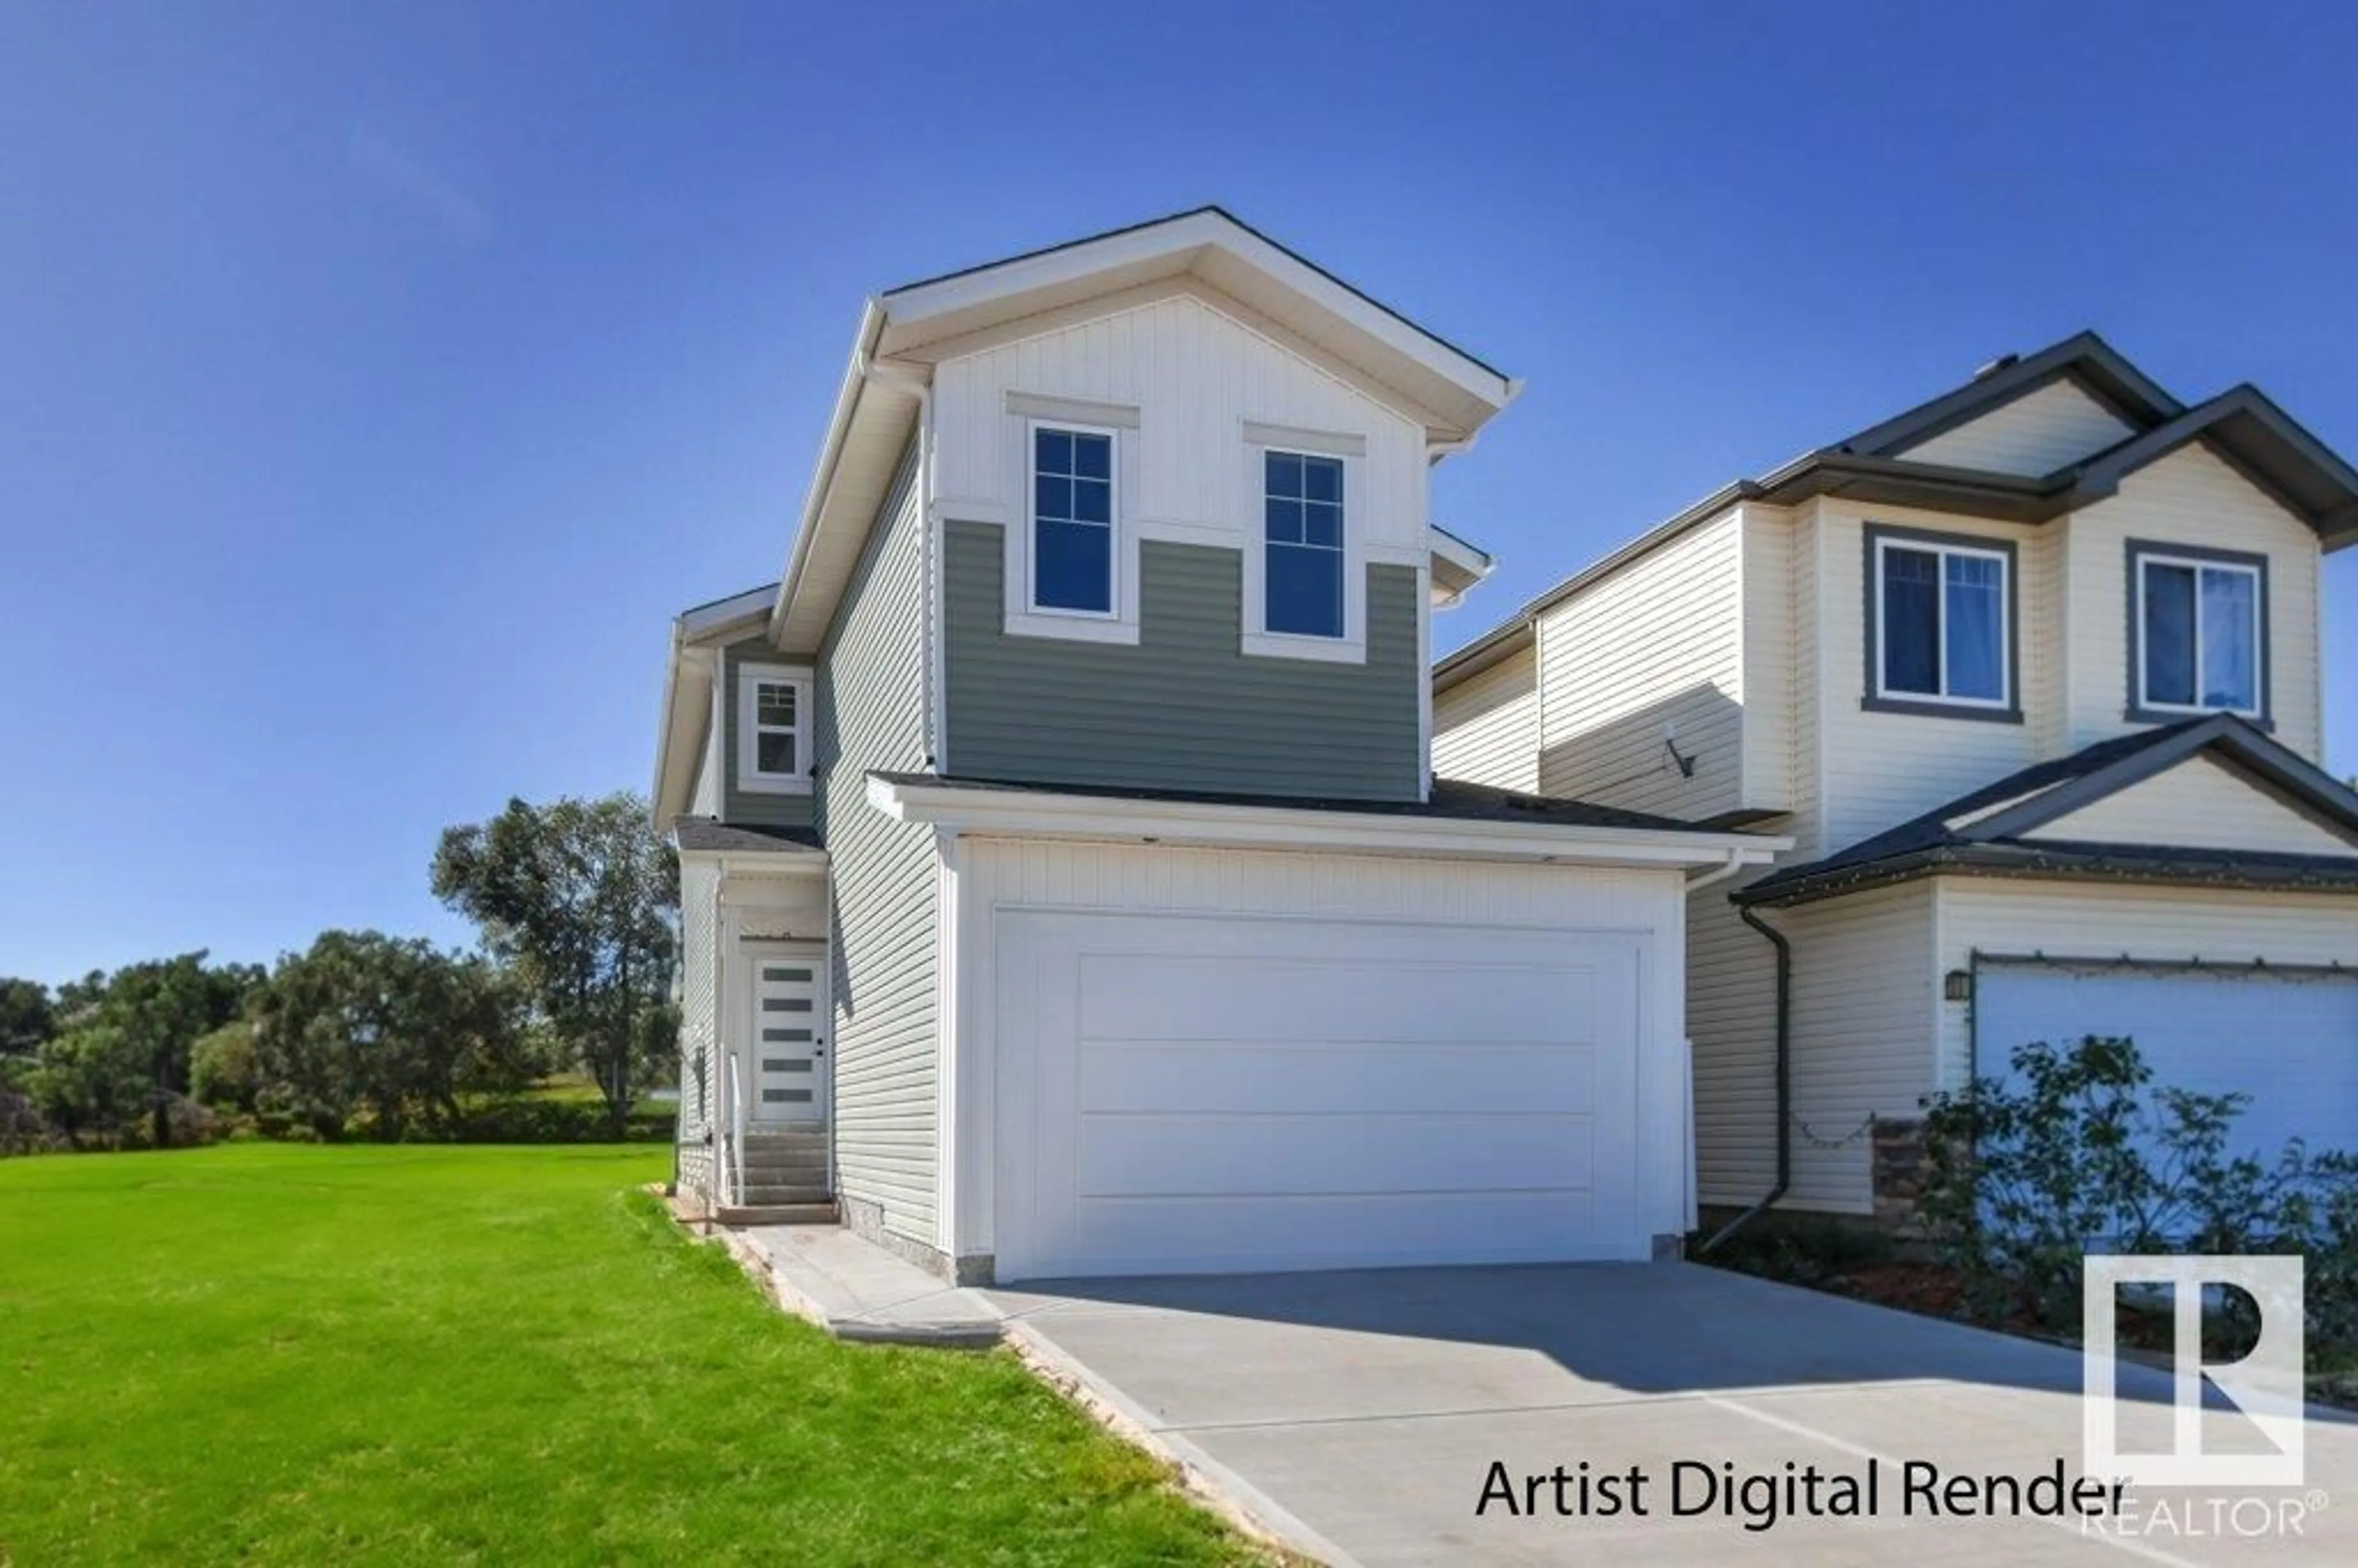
(1784,1080)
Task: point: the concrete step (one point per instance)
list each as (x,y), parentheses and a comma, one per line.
(776,1214)
(762,1193)
(778,1171)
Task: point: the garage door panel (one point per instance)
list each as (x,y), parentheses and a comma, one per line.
(1135,1235)
(1127,1156)
(1290,995)
(2289,1044)
(1281,1075)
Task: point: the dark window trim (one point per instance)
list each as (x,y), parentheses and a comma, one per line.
(1872,534)
(2134,710)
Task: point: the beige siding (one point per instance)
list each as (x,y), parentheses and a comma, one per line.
(2036,434)
(1657,644)
(1486,729)
(1731,1019)
(1767,683)
(2199,804)
(871,718)
(1884,768)
(2190,497)
(2091,920)
(1865,987)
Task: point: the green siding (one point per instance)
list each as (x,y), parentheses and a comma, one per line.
(1184,709)
(870,716)
(750,806)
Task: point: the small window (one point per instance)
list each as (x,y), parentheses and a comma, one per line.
(1072,521)
(1302,520)
(2198,625)
(1943,615)
(773,729)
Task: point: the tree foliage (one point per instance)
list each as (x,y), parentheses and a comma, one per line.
(389,1024)
(580,897)
(27,1017)
(121,1043)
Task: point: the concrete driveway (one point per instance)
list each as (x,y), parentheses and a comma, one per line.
(1362,1415)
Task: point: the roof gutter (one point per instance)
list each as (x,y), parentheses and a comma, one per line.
(830,453)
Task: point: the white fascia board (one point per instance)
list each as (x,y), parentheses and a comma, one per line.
(839,425)
(1028,814)
(717,620)
(679,735)
(1170,241)
(739,864)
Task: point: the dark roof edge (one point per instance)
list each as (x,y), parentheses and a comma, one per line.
(2068,862)
(1215,209)
(2084,357)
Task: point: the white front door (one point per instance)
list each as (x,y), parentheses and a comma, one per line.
(789,1030)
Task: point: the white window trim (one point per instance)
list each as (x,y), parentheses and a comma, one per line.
(1026,619)
(2260,619)
(1259,641)
(750,779)
(2004,701)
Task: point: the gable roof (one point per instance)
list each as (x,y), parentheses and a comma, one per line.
(2260,441)
(1993,830)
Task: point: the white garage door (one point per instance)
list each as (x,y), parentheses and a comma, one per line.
(2291,1044)
(1182,1094)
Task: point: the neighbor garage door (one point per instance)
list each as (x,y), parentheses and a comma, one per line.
(1185,1094)
(2289,1042)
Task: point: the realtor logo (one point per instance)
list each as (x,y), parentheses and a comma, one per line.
(2265,1386)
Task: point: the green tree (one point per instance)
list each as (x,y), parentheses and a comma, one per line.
(580,897)
(163,1008)
(393,1024)
(92,1080)
(223,1071)
(27,1017)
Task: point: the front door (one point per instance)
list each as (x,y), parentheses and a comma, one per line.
(790,1017)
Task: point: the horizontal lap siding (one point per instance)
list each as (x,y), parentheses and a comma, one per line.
(2199,804)
(1485,728)
(699,1017)
(1185,708)
(870,686)
(1659,643)
(2035,435)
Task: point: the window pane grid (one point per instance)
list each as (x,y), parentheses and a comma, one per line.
(777,728)
(1302,529)
(1943,624)
(1072,520)
(2200,625)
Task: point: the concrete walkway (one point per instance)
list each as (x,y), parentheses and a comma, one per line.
(1361,1416)
(857,1289)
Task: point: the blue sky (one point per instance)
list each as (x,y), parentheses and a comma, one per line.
(376,381)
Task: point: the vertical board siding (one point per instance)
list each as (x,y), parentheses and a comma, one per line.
(1185,708)
(1485,728)
(1660,643)
(755,807)
(870,716)
(2190,497)
(2163,924)
(2035,435)
(1195,373)
(699,1017)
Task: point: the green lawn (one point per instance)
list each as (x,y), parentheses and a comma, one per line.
(265,1353)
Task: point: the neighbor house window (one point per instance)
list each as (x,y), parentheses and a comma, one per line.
(2197,620)
(1942,622)
(1072,520)
(1303,521)
(772,728)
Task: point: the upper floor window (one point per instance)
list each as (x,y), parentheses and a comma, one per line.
(2199,618)
(1303,533)
(773,730)
(1941,628)
(1073,560)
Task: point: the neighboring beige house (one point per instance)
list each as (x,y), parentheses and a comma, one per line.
(2031,677)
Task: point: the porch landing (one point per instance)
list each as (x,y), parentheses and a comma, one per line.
(858,1291)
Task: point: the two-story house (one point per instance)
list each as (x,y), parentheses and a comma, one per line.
(1065,887)
(2031,677)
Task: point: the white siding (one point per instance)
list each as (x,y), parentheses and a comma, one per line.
(2199,804)
(699,1015)
(1767,677)
(2190,497)
(2090,920)
(1197,373)
(1485,728)
(2035,435)
(1865,989)
(1008,873)
(1884,768)
(1658,644)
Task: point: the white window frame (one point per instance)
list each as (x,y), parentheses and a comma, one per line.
(1351,647)
(2004,701)
(2197,564)
(750,779)
(1026,615)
